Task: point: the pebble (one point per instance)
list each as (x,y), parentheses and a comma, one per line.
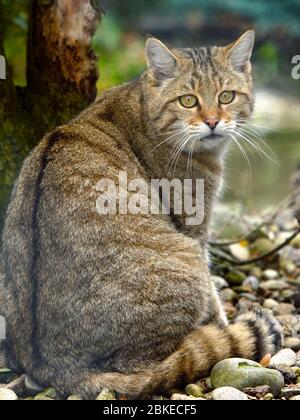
(285,357)
(270,304)
(290,391)
(240,252)
(292,343)
(228,295)
(284,309)
(235,278)
(7,395)
(74,398)
(183,397)
(252,282)
(228,393)
(243,373)
(262,246)
(288,320)
(219,282)
(106,394)
(270,274)
(274,285)
(194,390)
(296,398)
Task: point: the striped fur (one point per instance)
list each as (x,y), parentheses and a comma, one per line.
(85,295)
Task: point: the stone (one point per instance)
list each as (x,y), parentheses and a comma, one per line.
(228,393)
(270,304)
(243,373)
(262,246)
(269,397)
(194,390)
(285,357)
(270,274)
(258,392)
(219,282)
(228,295)
(183,397)
(74,398)
(106,394)
(7,395)
(235,278)
(288,320)
(240,252)
(274,285)
(284,309)
(252,282)
(296,398)
(7,376)
(256,272)
(292,343)
(290,391)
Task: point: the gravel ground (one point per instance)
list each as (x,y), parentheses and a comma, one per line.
(272,283)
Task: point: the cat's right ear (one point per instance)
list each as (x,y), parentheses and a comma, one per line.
(161,61)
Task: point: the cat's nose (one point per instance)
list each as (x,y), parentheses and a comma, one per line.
(212,123)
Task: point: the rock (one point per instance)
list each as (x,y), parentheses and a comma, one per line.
(228,295)
(256,272)
(296,398)
(284,309)
(274,285)
(74,398)
(270,274)
(258,392)
(194,390)
(292,343)
(18,385)
(269,397)
(106,394)
(285,357)
(240,252)
(41,397)
(7,376)
(219,282)
(290,391)
(228,393)
(270,304)
(288,266)
(48,394)
(252,282)
(235,278)
(296,242)
(288,320)
(183,397)
(261,246)
(7,395)
(243,373)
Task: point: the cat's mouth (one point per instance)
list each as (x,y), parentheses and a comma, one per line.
(212,136)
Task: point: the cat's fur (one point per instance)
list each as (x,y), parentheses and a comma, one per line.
(125,301)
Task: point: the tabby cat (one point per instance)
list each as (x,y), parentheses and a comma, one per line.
(126,301)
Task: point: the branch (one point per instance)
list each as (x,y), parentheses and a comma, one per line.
(60,55)
(225,257)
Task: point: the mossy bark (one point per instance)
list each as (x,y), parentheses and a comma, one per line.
(61,81)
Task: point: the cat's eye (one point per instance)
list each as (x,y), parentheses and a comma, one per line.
(188,101)
(227,97)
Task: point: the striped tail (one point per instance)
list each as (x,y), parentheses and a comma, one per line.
(252,336)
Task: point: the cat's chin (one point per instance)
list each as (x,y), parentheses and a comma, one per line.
(216,144)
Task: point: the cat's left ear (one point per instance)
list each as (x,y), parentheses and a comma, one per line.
(239,52)
(161,61)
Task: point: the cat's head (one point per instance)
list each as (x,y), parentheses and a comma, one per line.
(200,95)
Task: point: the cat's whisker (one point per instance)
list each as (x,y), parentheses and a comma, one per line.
(251,132)
(243,152)
(177,133)
(252,142)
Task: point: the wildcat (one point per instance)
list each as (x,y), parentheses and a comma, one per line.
(126,301)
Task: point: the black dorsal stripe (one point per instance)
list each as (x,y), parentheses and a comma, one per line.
(36,353)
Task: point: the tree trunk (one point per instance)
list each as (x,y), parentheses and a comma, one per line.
(61,81)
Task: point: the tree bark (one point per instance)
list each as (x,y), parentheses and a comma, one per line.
(61,81)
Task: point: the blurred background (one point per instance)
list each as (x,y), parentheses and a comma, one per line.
(119,43)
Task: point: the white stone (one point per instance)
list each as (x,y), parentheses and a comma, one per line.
(285,357)
(228,393)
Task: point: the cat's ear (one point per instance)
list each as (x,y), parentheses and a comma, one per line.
(161,61)
(239,52)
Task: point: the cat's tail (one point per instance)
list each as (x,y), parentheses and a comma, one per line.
(253,336)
